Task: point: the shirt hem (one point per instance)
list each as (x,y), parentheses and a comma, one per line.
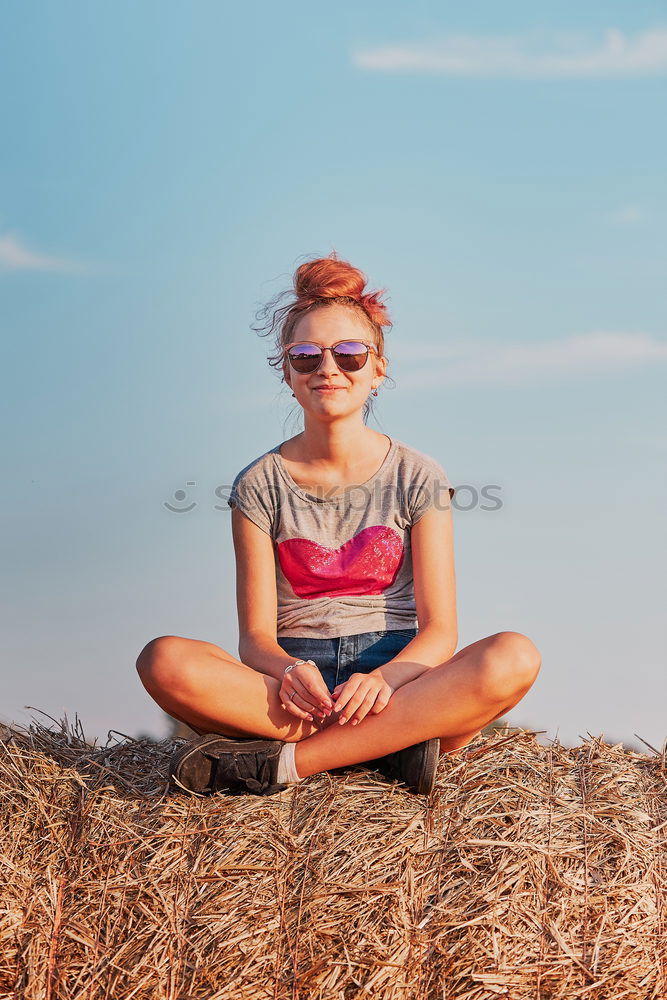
(319,633)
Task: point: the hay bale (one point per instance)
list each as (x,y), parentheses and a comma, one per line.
(532,872)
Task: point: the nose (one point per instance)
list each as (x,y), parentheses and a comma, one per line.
(327,365)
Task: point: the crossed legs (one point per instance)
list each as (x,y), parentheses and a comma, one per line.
(202,685)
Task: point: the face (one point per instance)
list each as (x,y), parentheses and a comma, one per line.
(330,390)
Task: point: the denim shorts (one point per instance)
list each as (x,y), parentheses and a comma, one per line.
(337,659)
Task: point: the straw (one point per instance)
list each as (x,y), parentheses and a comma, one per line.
(531,872)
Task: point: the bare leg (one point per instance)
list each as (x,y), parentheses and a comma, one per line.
(452,701)
(211,691)
(202,685)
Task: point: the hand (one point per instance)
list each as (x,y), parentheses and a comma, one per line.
(310,693)
(361,694)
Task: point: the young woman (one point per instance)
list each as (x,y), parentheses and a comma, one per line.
(345,586)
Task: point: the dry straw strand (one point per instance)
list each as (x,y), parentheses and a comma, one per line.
(533,871)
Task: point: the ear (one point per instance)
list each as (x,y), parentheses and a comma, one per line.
(380,369)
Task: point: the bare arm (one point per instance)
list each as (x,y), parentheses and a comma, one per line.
(257,607)
(256,600)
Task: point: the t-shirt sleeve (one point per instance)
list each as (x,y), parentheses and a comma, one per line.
(254,498)
(430,487)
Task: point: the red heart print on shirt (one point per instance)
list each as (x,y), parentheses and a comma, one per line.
(366,564)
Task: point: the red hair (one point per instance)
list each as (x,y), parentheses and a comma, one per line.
(324,281)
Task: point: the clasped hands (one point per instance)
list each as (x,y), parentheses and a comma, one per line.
(304,694)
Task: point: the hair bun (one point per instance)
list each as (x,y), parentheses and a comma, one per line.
(328,278)
(333,278)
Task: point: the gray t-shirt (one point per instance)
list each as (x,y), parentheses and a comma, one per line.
(343,563)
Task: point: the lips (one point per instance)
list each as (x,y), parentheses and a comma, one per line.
(366,564)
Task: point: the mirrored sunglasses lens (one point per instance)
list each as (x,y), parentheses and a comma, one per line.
(351,355)
(305,358)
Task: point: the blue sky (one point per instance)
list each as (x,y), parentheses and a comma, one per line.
(499,169)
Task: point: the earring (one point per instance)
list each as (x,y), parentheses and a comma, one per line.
(375,392)
(294,395)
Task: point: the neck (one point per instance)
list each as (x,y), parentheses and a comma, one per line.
(340,443)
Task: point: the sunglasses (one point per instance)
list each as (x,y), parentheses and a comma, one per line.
(349,355)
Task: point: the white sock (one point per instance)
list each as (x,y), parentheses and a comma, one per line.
(287,773)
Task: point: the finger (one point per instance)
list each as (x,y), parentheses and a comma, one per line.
(294,710)
(381,701)
(289,706)
(347,691)
(305,705)
(311,701)
(335,694)
(302,692)
(353,704)
(364,708)
(311,686)
(316,689)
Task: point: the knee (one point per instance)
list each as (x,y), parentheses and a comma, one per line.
(160,663)
(511,667)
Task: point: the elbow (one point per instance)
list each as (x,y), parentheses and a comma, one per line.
(445,639)
(253,647)
(246,649)
(449,638)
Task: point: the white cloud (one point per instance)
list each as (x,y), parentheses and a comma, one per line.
(530,56)
(15,257)
(627,215)
(481,361)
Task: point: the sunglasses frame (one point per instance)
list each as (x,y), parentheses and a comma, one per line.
(347,340)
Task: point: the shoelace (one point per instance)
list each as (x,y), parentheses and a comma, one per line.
(243,772)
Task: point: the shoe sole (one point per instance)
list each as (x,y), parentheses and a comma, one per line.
(430,768)
(192,751)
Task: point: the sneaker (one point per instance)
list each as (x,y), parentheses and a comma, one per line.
(415,766)
(216,763)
